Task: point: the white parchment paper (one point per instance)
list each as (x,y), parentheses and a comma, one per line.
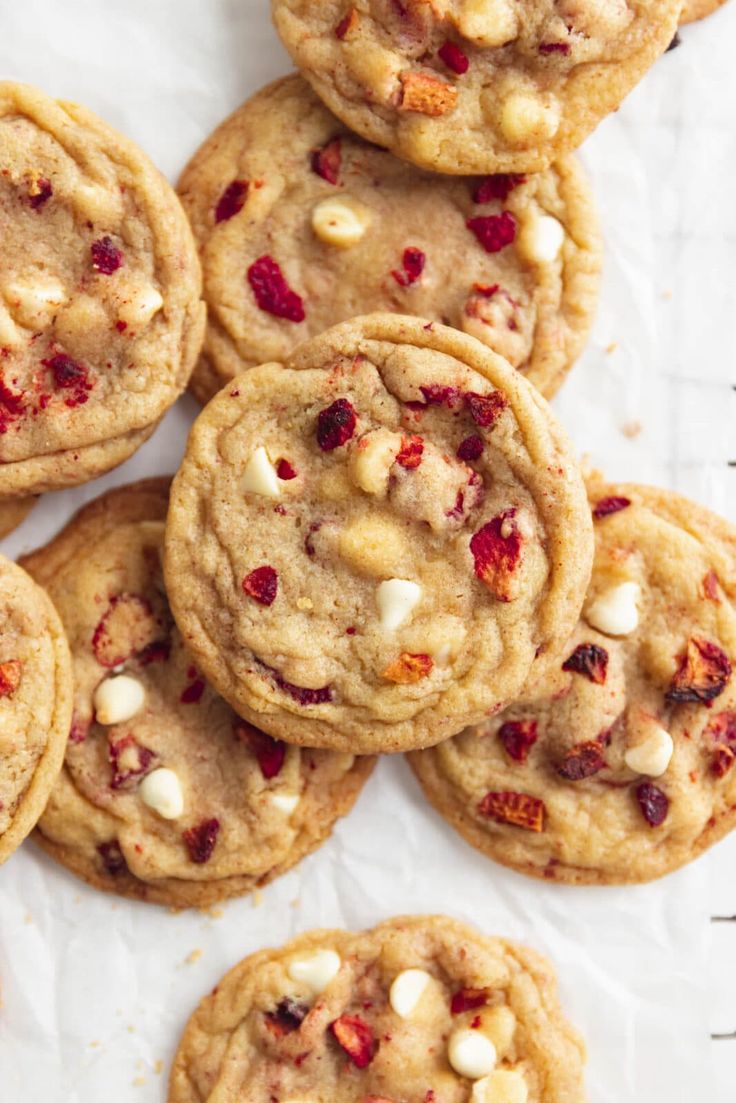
(96,990)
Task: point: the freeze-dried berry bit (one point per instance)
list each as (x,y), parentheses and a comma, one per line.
(494,231)
(327,162)
(288,1017)
(486,290)
(106,257)
(127,628)
(454,58)
(69,375)
(347,24)
(12,405)
(468,999)
(232,200)
(309,547)
(722,728)
(517,809)
(272,292)
(79,727)
(554,47)
(270,753)
(471,448)
(722,760)
(518,738)
(410,453)
(11,672)
(285,471)
(590,660)
(129,760)
(711,587)
(193,693)
(581,761)
(408,669)
(606,506)
(303,695)
(262,585)
(336,425)
(113,861)
(498,186)
(485,409)
(496,549)
(653,802)
(413,262)
(39,192)
(435,394)
(702,672)
(200,840)
(355,1036)
(156,652)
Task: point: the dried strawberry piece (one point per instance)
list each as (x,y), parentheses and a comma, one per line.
(327,162)
(496,549)
(129,760)
(454,58)
(653,803)
(10,675)
(408,669)
(468,999)
(127,629)
(471,448)
(193,693)
(410,453)
(69,375)
(518,738)
(485,409)
(722,728)
(581,761)
(590,660)
(702,672)
(435,394)
(346,24)
(269,752)
(112,858)
(355,1036)
(494,231)
(606,506)
(498,186)
(722,760)
(272,292)
(39,193)
(303,695)
(711,586)
(336,425)
(486,290)
(12,405)
(232,200)
(200,840)
(554,47)
(517,809)
(262,585)
(413,262)
(288,1017)
(106,257)
(285,471)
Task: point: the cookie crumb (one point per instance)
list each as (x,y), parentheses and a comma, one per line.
(611,347)
(631,429)
(192,957)
(257,898)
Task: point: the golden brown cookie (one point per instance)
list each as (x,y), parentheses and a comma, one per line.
(297,235)
(699,9)
(417,1009)
(618,766)
(166,795)
(13,512)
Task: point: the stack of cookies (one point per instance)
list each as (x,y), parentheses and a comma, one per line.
(379,540)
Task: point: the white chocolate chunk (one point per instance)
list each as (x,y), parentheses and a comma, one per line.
(10,335)
(161,791)
(407,990)
(285,802)
(652,757)
(340,221)
(140,307)
(541,239)
(502,1086)
(615,612)
(35,301)
(260,476)
(371,461)
(525,118)
(471,1054)
(98,204)
(396,600)
(316,970)
(488,22)
(118,699)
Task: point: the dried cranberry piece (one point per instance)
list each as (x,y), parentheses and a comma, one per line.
(232,200)
(262,585)
(10,675)
(413,262)
(336,425)
(272,292)
(702,672)
(355,1036)
(435,394)
(408,669)
(653,802)
(454,58)
(554,47)
(285,471)
(410,453)
(471,448)
(269,752)
(69,375)
(485,409)
(327,162)
(112,858)
(129,760)
(301,694)
(12,405)
(106,257)
(288,1017)
(581,761)
(127,628)
(494,231)
(610,505)
(200,840)
(590,660)
(42,192)
(518,738)
(193,693)
(722,760)
(496,549)
(346,24)
(517,809)
(498,186)
(468,999)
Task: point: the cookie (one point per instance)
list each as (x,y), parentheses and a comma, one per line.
(377,538)
(417,1009)
(475,86)
(166,795)
(13,512)
(618,767)
(35,703)
(514,261)
(699,9)
(101,318)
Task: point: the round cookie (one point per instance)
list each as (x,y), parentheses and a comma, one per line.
(378,538)
(699,9)
(101,318)
(13,512)
(35,703)
(617,767)
(475,86)
(166,796)
(349,229)
(417,1009)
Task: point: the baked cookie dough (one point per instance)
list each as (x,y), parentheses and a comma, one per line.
(166,795)
(378,538)
(342,227)
(101,318)
(698,9)
(470,86)
(35,703)
(417,1009)
(13,512)
(618,767)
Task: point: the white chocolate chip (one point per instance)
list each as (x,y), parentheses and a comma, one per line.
(285,802)
(118,699)
(525,118)
(372,459)
(407,990)
(471,1054)
(98,204)
(340,221)
(35,301)
(615,612)
(488,22)
(10,335)
(652,757)
(161,791)
(502,1086)
(316,970)
(396,599)
(260,476)
(140,307)
(540,240)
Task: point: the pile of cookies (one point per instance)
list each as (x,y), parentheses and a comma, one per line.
(379,540)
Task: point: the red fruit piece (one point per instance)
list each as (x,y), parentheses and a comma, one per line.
(156,652)
(192,694)
(301,694)
(468,999)
(327,162)
(435,394)
(723,759)
(518,738)
(454,58)
(590,660)
(232,200)
(112,858)
(413,262)
(346,24)
(285,471)
(711,586)
(485,409)
(702,672)
(496,549)
(517,809)
(106,257)
(70,376)
(200,840)
(471,448)
(129,760)
(722,728)
(262,585)
(355,1036)
(11,406)
(410,453)
(10,676)
(554,47)
(39,192)
(288,1017)
(336,425)
(653,803)
(127,628)
(272,292)
(79,728)
(269,752)
(581,761)
(408,669)
(606,506)
(494,231)
(498,186)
